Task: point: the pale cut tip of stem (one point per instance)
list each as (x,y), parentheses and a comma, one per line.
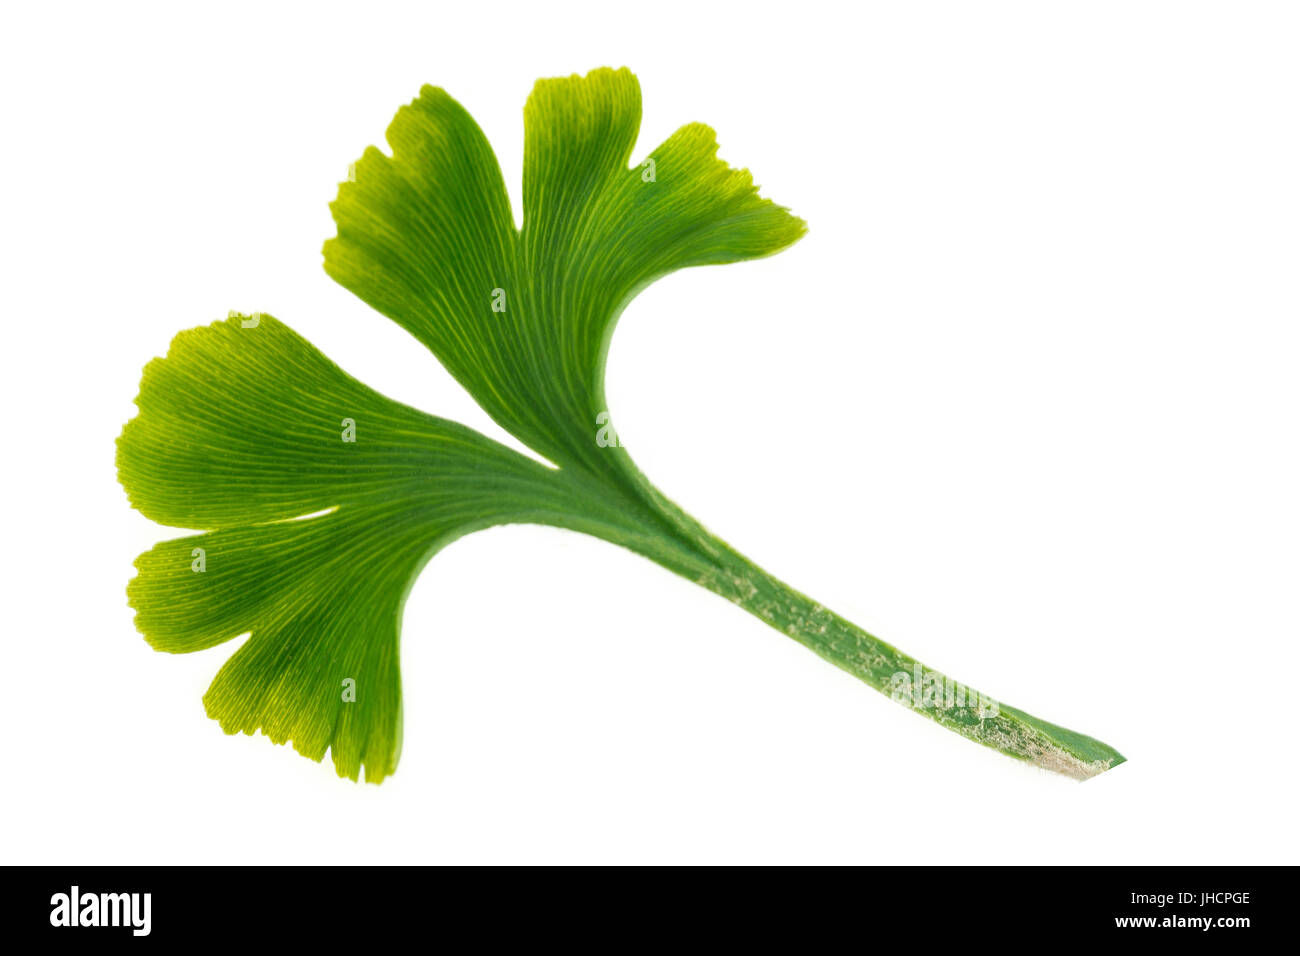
(1068,765)
(1055,748)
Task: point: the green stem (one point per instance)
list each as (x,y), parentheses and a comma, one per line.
(974,715)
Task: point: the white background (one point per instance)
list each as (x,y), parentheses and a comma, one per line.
(1024,402)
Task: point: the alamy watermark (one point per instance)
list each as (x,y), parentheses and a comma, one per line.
(75,908)
(922,688)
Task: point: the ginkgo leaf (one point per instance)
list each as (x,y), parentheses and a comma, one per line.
(326,499)
(322,500)
(523,318)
